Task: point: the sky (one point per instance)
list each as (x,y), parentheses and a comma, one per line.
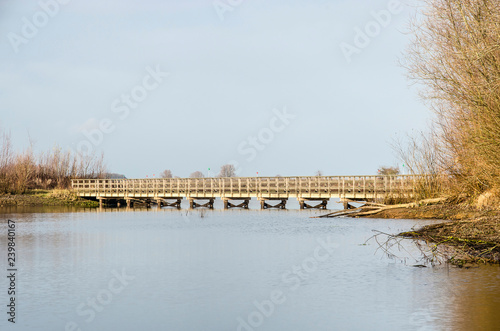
(274,87)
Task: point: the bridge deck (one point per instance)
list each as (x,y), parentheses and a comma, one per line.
(314,187)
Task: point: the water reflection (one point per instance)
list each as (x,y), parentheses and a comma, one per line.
(476,299)
(206,269)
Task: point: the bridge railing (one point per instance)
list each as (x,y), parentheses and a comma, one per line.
(248,186)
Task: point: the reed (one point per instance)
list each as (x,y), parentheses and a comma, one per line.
(27,170)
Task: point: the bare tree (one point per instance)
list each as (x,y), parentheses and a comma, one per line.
(5,151)
(197,174)
(388,171)
(318,173)
(166,174)
(20,172)
(25,169)
(227,170)
(455,55)
(6,160)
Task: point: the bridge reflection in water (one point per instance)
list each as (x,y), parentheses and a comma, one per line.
(237,191)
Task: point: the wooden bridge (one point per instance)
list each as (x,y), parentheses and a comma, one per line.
(169,192)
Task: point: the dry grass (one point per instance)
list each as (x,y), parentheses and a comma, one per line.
(45,198)
(21,172)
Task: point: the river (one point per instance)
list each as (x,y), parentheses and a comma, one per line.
(231,270)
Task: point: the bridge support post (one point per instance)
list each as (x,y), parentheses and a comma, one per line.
(159,202)
(130,203)
(175,204)
(322,205)
(228,204)
(193,204)
(100,202)
(347,205)
(265,205)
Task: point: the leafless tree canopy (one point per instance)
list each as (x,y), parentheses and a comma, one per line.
(166,174)
(455,55)
(227,170)
(318,173)
(388,171)
(197,174)
(52,169)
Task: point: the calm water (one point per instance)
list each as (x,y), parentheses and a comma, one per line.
(232,270)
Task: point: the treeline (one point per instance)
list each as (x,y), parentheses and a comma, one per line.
(227,170)
(27,170)
(455,55)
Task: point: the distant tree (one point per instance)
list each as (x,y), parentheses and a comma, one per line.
(227,170)
(112,175)
(318,173)
(166,174)
(388,171)
(278,176)
(197,174)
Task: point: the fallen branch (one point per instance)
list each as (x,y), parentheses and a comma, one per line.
(344,212)
(371,208)
(365,202)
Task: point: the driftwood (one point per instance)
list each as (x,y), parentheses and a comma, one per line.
(371,208)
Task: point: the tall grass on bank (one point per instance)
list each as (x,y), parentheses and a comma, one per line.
(455,55)
(22,171)
(421,156)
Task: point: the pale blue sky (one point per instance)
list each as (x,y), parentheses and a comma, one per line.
(225,78)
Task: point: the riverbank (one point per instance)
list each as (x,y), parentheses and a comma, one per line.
(472,233)
(45,198)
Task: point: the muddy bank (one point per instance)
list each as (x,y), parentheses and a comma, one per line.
(450,212)
(473,234)
(45,198)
